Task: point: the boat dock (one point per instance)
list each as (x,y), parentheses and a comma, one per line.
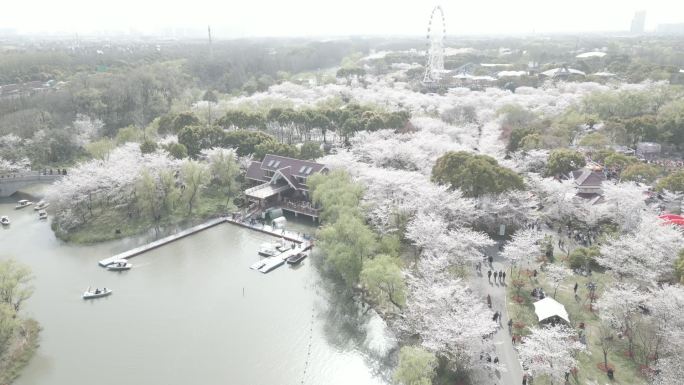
(161,242)
(291,236)
(267,264)
(288,235)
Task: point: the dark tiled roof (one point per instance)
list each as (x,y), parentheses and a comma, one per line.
(298,167)
(255,172)
(286,172)
(288,167)
(587,178)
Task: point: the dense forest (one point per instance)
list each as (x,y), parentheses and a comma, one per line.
(53,91)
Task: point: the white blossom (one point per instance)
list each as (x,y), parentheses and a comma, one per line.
(624,203)
(522,247)
(647,254)
(550,351)
(450,320)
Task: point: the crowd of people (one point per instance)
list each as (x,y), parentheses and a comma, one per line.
(667,163)
(584,238)
(303,206)
(57,171)
(44,171)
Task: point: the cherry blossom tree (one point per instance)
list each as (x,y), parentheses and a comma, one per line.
(533,161)
(523,245)
(103,184)
(550,351)
(424,229)
(663,339)
(87,129)
(450,320)
(669,370)
(645,255)
(625,203)
(556,274)
(621,308)
(7,166)
(392,197)
(511,208)
(446,247)
(557,197)
(672,201)
(590,213)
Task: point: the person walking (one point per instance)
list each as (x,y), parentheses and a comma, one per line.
(510,325)
(491,259)
(500,275)
(503,278)
(489,301)
(489,275)
(535,273)
(575,288)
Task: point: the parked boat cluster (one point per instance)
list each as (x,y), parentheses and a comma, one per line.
(24,203)
(278,253)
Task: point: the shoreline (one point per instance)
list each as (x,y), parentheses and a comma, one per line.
(20,356)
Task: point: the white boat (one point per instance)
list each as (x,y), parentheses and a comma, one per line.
(97,293)
(283,245)
(268,250)
(5,220)
(42,214)
(41,205)
(23,203)
(120,265)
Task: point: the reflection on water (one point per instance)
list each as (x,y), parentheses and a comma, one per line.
(188,313)
(348,325)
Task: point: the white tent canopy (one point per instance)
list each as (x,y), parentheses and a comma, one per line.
(549,307)
(591,54)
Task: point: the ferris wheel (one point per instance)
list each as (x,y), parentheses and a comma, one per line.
(436,33)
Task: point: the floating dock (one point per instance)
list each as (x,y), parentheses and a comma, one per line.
(161,242)
(267,264)
(288,235)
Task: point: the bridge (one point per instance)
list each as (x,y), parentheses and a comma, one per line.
(11,183)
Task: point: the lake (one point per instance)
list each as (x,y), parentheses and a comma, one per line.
(191,312)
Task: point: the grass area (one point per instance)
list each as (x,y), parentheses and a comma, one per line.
(115,224)
(23,346)
(626,370)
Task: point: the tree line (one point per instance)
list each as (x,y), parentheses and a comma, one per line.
(352,250)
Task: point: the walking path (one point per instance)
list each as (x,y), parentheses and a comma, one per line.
(508,357)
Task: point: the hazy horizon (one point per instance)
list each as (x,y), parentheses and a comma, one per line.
(317,18)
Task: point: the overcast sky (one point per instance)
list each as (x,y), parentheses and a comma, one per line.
(248,18)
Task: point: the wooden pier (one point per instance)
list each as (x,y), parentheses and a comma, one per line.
(161,242)
(288,235)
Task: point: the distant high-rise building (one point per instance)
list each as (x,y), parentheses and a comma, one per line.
(211,49)
(638,22)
